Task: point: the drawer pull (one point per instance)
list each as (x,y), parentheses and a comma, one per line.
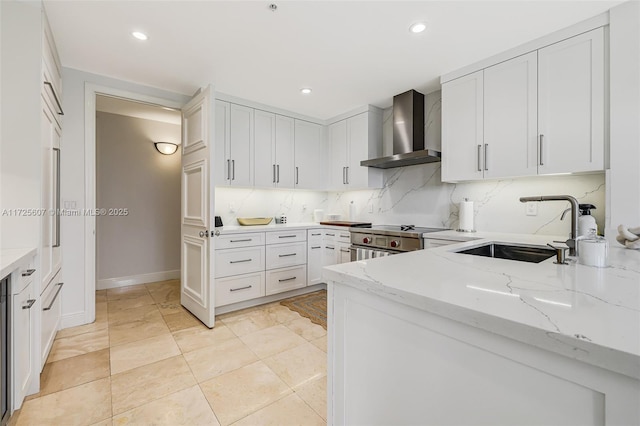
(315,235)
(28,272)
(331,235)
(287,255)
(315,247)
(240,261)
(345,236)
(287,279)
(240,288)
(54,297)
(330,248)
(29,304)
(286,236)
(240,241)
(55,97)
(344,251)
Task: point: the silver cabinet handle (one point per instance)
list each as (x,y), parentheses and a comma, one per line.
(344,251)
(315,247)
(331,235)
(287,279)
(240,241)
(56,151)
(347,174)
(228,170)
(345,235)
(286,236)
(541,152)
(240,261)
(233,169)
(28,272)
(274,173)
(29,304)
(204,233)
(287,255)
(479,155)
(330,248)
(486,159)
(278,173)
(54,297)
(296,175)
(55,97)
(315,235)
(344,175)
(240,288)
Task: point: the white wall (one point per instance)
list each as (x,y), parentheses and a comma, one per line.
(624,177)
(74,180)
(132,174)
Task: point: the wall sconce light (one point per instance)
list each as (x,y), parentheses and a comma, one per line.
(166,148)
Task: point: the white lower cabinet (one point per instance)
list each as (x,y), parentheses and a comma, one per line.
(51,314)
(285,279)
(239,261)
(282,255)
(314,256)
(24,310)
(239,288)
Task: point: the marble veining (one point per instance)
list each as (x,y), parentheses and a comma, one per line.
(586,313)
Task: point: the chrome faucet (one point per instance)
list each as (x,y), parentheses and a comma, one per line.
(571,242)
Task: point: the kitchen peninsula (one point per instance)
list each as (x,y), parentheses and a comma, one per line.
(440,337)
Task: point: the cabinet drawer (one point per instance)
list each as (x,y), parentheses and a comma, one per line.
(239,240)
(25,277)
(343,236)
(314,236)
(239,261)
(432,243)
(285,279)
(51,313)
(239,288)
(282,255)
(286,236)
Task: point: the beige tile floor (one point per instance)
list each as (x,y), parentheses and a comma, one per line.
(147,361)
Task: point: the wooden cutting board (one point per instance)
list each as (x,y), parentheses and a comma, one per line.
(346,223)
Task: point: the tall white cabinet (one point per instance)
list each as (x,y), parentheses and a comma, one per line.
(542,112)
(309,155)
(234,144)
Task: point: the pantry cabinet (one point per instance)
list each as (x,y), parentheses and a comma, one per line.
(351,141)
(539,113)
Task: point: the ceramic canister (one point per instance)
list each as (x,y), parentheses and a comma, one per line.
(593,251)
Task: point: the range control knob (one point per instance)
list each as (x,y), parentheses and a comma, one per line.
(366,240)
(395,243)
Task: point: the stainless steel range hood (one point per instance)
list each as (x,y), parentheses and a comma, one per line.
(408,134)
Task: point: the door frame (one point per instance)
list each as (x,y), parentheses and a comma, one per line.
(91,90)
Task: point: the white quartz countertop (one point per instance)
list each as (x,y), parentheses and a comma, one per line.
(236,229)
(11,258)
(586,313)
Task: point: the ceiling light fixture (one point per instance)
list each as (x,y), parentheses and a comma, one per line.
(140,35)
(166,148)
(305,90)
(418,27)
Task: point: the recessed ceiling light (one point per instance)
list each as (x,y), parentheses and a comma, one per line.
(305,90)
(418,27)
(139,35)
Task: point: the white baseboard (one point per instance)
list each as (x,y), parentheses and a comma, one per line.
(72,320)
(138,279)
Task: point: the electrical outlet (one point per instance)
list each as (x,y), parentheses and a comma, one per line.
(304,207)
(532,209)
(232,208)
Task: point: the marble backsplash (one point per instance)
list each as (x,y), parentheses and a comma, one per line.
(415,195)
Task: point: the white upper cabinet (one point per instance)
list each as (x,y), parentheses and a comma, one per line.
(234,144)
(571,93)
(538,113)
(285,152)
(265,149)
(351,141)
(309,155)
(510,117)
(462,128)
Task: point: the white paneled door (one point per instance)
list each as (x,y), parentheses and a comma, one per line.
(197,294)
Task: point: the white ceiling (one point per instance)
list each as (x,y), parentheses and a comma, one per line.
(137,109)
(350,52)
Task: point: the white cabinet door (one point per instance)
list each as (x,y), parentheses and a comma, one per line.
(285,279)
(265,149)
(222,143)
(571,84)
(358,143)
(344,254)
(314,262)
(338,155)
(239,288)
(241,137)
(49,136)
(309,155)
(284,152)
(329,254)
(510,118)
(23,350)
(462,128)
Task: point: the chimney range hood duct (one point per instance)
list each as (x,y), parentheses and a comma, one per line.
(408,134)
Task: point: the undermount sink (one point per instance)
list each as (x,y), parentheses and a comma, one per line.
(532,254)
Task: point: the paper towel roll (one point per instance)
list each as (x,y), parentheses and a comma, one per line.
(466,216)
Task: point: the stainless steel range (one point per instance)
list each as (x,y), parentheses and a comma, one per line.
(384,240)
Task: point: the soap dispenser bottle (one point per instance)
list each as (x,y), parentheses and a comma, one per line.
(586,222)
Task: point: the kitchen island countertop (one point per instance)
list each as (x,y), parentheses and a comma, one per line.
(585,313)
(10,258)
